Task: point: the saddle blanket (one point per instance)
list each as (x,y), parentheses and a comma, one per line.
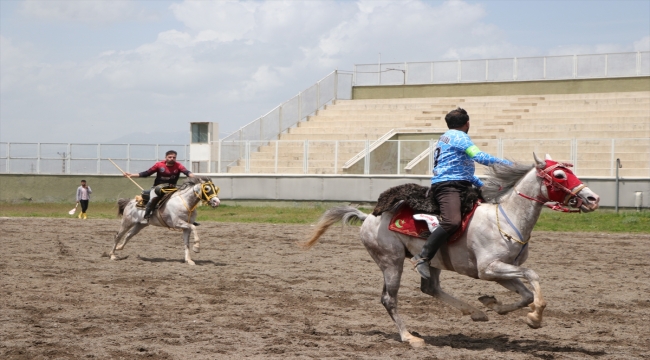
(404,222)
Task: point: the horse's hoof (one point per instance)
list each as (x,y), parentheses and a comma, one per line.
(196,249)
(416,342)
(479,316)
(190,262)
(532,323)
(113,257)
(119,247)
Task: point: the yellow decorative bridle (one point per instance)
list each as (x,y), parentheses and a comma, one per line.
(208,191)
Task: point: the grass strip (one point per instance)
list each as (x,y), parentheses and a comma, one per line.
(603,220)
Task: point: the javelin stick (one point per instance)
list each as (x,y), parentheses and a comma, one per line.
(118,168)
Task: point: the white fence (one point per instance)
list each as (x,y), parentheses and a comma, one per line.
(336,85)
(508,69)
(69,158)
(591,157)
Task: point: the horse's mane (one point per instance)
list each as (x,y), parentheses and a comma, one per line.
(193,181)
(501,179)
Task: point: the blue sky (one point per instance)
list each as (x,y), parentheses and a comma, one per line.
(96,71)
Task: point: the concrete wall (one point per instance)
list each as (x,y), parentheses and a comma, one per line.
(576,86)
(63,188)
(341,188)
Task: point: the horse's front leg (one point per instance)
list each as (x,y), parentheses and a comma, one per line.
(186,243)
(197,243)
(498,270)
(514,285)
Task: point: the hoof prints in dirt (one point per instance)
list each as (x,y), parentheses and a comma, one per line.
(266,298)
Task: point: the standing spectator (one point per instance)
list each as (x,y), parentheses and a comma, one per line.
(83,197)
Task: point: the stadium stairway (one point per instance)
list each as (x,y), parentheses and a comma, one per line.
(596,124)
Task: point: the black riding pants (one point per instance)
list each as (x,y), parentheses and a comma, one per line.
(84,205)
(448,196)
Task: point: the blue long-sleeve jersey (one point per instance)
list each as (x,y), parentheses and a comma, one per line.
(454,158)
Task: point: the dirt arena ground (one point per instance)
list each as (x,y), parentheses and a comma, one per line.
(255,294)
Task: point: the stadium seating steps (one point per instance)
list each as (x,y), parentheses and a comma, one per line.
(544,123)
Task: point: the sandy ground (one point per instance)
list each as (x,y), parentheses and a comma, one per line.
(255,294)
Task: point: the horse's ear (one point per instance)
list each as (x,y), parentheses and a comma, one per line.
(540,164)
(548,157)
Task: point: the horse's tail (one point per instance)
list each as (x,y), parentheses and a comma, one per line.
(121,204)
(346,214)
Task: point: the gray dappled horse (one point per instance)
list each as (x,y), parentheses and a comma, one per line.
(179,213)
(515,197)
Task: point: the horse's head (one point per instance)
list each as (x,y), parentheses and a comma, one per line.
(208,192)
(563,186)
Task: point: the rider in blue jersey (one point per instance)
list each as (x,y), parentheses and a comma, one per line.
(453,174)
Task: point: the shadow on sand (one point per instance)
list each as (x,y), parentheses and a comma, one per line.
(197,262)
(537,348)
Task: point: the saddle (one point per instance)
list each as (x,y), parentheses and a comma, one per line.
(409,200)
(163,191)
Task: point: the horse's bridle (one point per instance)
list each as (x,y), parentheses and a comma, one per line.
(559,194)
(207,192)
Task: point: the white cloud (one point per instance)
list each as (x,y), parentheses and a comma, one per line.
(227,61)
(87,12)
(235,61)
(643,44)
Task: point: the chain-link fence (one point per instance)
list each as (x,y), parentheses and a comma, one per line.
(510,69)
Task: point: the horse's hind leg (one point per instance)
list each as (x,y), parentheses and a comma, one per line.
(514,285)
(123,230)
(392,275)
(432,287)
(131,233)
(389,256)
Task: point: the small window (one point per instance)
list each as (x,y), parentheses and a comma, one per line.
(199,133)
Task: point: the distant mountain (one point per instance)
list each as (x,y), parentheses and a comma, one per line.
(158,137)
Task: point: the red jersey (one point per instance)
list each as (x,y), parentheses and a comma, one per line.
(166,174)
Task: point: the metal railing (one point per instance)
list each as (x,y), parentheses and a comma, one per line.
(591,157)
(336,85)
(71,158)
(507,69)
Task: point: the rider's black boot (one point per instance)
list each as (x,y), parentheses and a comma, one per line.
(438,237)
(151,205)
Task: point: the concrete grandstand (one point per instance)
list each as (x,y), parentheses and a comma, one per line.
(387,129)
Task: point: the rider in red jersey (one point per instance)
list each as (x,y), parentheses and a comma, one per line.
(167,173)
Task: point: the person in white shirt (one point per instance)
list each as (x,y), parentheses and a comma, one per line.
(83,197)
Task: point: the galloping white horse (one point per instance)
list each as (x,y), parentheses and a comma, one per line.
(177,213)
(515,197)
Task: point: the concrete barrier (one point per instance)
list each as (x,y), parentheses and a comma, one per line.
(269,188)
(541,87)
